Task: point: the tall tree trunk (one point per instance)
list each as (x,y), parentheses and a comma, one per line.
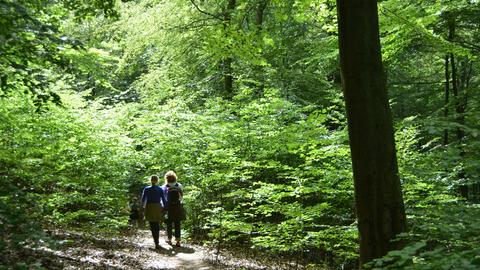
(447,96)
(465,85)
(259,16)
(460,119)
(259,70)
(459,110)
(378,196)
(467,190)
(228,77)
(227,61)
(461,104)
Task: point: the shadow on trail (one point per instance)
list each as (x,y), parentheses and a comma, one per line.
(93,240)
(172,251)
(183,250)
(162,251)
(75,250)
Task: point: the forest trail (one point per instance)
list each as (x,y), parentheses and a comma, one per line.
(79,251)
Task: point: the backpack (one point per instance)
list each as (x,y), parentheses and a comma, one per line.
(173,194)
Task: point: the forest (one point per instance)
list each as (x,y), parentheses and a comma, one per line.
(308,134)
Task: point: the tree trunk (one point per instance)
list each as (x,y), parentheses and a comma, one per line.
(461,99)
(465,85)
(259,70)
(259,16)
(459,110)
(447,96)
(228,77)
(378,196)
(227,61)
(460,119)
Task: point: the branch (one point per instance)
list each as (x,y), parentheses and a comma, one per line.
(204,12)
(468,45)
(414,83)
(198,24)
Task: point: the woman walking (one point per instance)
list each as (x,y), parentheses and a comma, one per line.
(175,212)
(153,200)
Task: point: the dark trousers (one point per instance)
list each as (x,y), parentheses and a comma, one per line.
(170,224)
(155,228)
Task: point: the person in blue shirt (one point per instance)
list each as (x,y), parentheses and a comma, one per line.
(153,200)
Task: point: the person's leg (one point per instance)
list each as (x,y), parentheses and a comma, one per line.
(169,231)
(155,229)
(141,220)
(177,232)
(157,233)
(152,224)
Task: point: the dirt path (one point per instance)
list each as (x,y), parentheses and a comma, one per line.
(77,251)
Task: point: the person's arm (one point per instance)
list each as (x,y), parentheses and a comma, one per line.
(180,188)
(162,198)
(144,198)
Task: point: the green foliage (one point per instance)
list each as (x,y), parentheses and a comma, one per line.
(63,167)
(32,45)
(416,38)
(443,230)
(266,169)
(262,173)
(441,237)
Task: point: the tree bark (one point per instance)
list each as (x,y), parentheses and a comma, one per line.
(459,94)
(378,196)
(459,111)
(259,14)
(259,70)
(464,87)
(228,77)
(227,61)
(447,96)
